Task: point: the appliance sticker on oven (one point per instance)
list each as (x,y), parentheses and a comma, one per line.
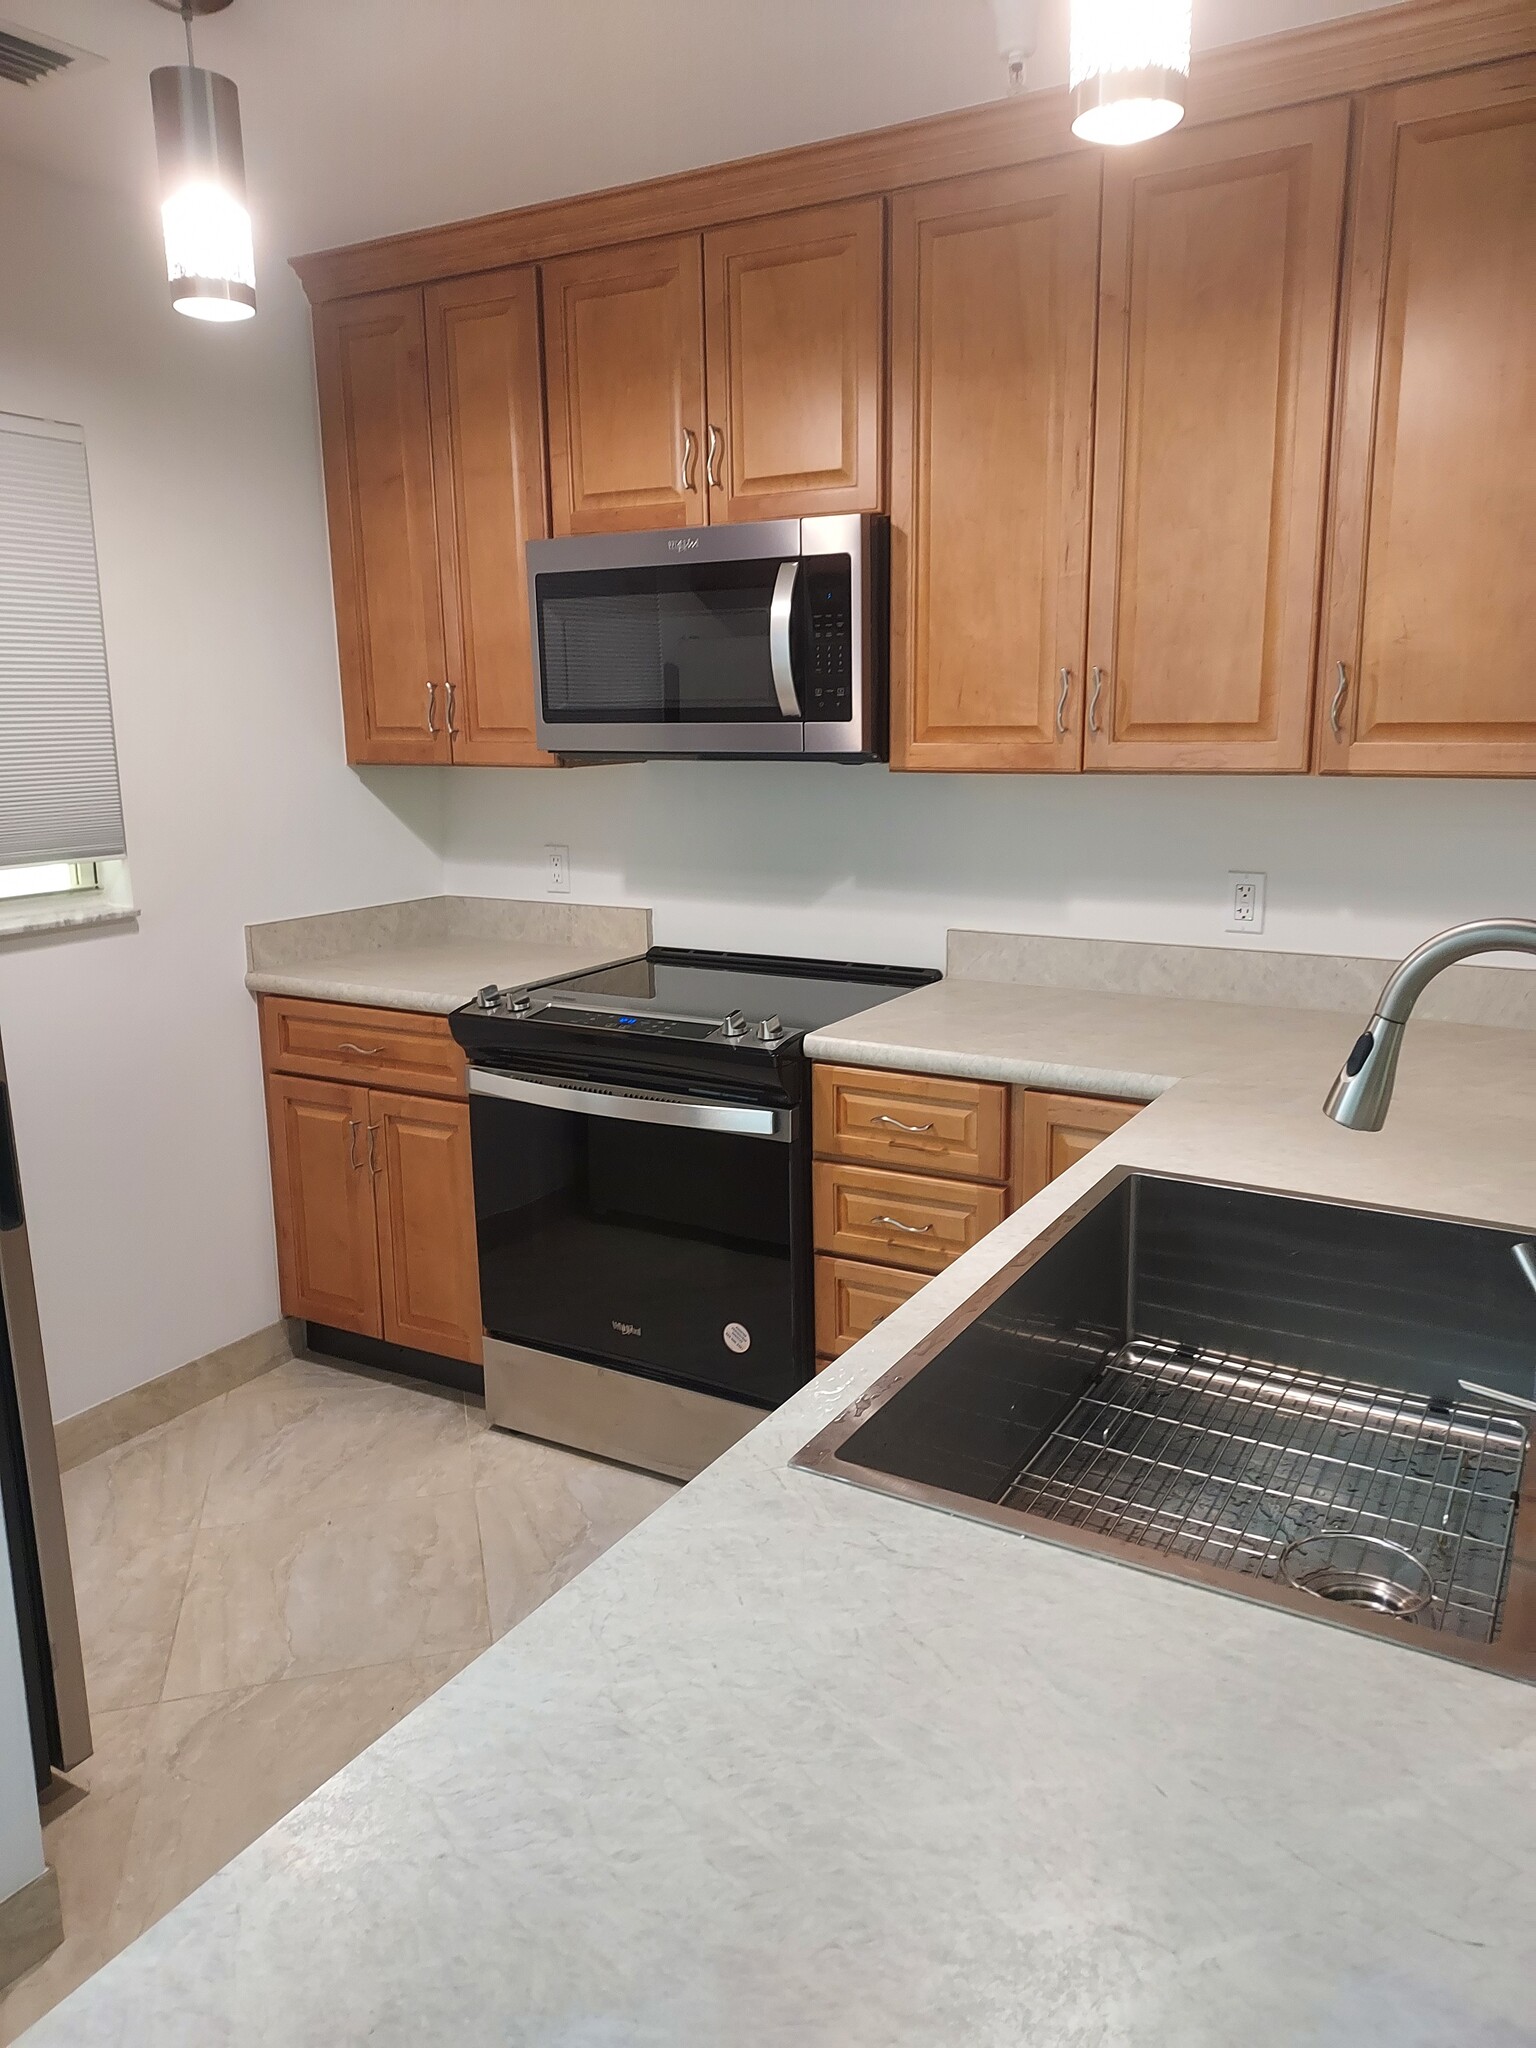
(737,1337)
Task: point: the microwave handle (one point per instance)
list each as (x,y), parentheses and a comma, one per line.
(778,639)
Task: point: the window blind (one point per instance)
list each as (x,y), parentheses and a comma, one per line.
(59,797)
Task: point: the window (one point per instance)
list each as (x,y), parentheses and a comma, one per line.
(60,808)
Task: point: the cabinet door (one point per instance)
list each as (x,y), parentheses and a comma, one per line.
(1219,277)
(322,1199)
(428,1259)
(1052,1132)
(794,319)
(624,356)
(993,305)
(1430,607)
(371,364)
(489,470)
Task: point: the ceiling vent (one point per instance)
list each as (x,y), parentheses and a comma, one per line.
(26,57)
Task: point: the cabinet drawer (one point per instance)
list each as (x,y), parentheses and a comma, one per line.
(339,1042)
(853,1298)
(901,1219)
(912,1120)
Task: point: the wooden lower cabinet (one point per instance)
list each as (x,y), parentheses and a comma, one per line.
(853,1298)
(373,1201)
(1052,1132)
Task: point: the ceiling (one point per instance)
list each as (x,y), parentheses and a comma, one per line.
(363,117)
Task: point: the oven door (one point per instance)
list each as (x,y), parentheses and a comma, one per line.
(643,1231)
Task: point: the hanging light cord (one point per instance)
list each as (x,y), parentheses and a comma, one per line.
(186,22)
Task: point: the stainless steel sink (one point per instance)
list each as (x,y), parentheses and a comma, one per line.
(1315,1405)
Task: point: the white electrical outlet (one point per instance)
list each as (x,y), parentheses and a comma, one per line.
(1245,903)
(558,881)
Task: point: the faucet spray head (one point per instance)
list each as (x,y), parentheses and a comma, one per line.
(1361,1095)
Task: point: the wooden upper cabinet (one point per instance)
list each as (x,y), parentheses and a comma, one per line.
(993,285)
(428,1258)
(1219,281)
(1432,582)
(371,363)
(489,467)
(794,317)
(624,359)
(322,1197)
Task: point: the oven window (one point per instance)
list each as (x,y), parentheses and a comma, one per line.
(686,644)
(660,1250)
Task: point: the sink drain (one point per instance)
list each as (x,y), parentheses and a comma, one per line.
(1358,1571)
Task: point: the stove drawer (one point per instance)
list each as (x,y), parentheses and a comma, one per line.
(901,1219)
(924,1122)
(397,1049)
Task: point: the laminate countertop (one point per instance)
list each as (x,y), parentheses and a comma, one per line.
(795,1763)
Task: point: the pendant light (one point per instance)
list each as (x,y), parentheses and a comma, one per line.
(1130,68)
(208,254)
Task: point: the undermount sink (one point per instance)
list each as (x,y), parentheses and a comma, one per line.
(1314,1405)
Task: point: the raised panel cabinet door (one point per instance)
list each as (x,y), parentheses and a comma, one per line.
(428,1257)
(993,305)
(490,466)
(794,325)
(322,1202)
(624,360)
(1052,1132)
(376,437)
(1428,655)
(1218,290)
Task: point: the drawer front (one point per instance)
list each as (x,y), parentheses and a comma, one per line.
(915,1121)
(853,1298)
(901,1219)
(396,1049)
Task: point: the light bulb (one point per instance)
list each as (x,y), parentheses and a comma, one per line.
(1129,68)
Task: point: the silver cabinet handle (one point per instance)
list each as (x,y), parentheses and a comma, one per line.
(453,698)
(690,449)
(896,1124)
(779,660)
(1340,692)
(353,1127)
(716,450)
(1061,702)
(432,709)
(634,1105)
(373,1157)
(1093,701)
(911,1229)
(364,1052)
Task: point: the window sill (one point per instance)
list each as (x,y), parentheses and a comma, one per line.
(33,920)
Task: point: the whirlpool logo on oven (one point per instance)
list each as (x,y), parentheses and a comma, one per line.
(626,1329)
(687,546)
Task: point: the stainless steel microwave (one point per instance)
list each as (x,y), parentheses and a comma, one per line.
(717,641)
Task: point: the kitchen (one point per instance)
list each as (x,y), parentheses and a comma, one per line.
(140,1089)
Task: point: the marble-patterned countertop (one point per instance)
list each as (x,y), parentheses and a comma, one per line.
(803,1766)
(434,953)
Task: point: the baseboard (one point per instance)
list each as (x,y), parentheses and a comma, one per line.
(128,1415)
(31,1926)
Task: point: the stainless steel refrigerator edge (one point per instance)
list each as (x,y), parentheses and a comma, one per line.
(36,1505)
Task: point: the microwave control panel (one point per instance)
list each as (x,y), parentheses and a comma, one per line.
(827,689)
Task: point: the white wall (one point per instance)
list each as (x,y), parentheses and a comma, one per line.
(857,862)
(21,1841)
(133,1056)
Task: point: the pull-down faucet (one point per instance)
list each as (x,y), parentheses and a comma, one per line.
(1360,1096)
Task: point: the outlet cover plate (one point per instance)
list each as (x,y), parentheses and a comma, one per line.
(1245,903)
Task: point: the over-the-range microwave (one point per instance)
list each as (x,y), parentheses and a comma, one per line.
(722,641)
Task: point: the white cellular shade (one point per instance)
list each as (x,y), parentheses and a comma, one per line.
(59,796)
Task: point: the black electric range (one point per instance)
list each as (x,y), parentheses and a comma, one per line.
(641,1144)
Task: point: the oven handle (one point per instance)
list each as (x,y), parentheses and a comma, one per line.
(634,1106)
(780,659)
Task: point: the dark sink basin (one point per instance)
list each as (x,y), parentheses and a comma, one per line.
(1303,1402)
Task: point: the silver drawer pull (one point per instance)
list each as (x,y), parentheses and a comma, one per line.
(364,1052)
(896,1124)
(1340,692)
(911,1229)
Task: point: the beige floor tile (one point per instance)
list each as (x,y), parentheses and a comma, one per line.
(154,1483)
(87,1827)
(545,1514)
(129,1601)
(222,1769)
(303,1595)
(308,1435)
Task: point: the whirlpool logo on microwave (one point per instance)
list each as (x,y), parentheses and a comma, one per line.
(688,545)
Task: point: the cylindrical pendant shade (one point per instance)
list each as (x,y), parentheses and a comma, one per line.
(1130,68)
(208,254)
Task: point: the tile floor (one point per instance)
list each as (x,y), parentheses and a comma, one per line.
(265,1585)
